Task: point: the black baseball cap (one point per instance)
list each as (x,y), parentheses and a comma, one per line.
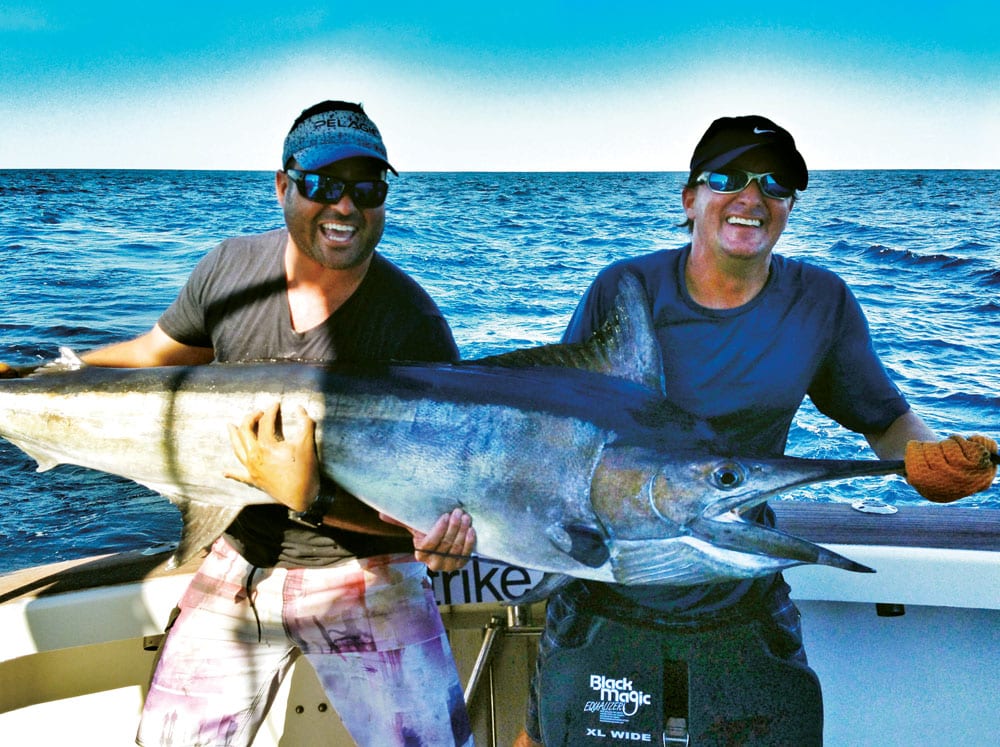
(728,138)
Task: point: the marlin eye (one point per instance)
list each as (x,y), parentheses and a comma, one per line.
(728,476)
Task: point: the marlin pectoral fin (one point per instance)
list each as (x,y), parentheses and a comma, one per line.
(43,458)
(203,523)
(584,543)
(743,536)
(549,585)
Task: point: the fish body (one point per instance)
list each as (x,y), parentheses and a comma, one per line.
(568,458)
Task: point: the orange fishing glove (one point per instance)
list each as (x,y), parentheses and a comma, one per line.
(6,372)
(944,471)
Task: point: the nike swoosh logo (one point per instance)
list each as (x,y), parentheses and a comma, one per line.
(758,131)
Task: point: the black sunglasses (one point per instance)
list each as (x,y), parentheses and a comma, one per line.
(329,190)
(728,182)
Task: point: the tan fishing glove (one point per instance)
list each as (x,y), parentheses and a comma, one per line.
(944,471)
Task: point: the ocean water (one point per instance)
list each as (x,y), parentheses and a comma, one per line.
(92,257)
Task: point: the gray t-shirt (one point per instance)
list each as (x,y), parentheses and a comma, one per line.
(235,302)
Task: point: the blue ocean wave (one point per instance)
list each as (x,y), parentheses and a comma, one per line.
(971,247)
(940,260)
(991,277)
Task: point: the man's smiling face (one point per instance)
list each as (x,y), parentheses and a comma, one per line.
(339,236)
(744,224)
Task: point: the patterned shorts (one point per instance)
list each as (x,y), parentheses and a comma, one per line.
(369,626)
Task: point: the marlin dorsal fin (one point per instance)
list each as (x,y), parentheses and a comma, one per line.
(625,347)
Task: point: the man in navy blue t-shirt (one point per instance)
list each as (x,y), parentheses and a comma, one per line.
(745,336)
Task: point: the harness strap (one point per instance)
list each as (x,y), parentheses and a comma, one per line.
(628,684)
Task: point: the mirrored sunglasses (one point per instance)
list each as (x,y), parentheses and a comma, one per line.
(729,182)
(329,190)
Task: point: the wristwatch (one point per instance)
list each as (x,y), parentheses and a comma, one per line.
(313,515)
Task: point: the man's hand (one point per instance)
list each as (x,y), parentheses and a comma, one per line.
(944,471)
(288,471)
(448,545)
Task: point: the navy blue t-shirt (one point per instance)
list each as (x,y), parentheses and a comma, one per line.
(746,371)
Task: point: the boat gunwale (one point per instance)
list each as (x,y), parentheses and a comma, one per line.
(941,527)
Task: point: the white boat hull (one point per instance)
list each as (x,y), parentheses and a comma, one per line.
(74,664)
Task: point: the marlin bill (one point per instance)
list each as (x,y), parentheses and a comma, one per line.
(568,457)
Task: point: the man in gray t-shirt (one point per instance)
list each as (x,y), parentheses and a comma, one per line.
(319,573)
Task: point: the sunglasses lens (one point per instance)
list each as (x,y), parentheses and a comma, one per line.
(725,183)
(369,194)
(327,190)
(770,186)
(317,187)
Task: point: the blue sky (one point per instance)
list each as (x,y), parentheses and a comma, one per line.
(516,86)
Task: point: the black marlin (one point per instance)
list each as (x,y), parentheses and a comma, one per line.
(568,457)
